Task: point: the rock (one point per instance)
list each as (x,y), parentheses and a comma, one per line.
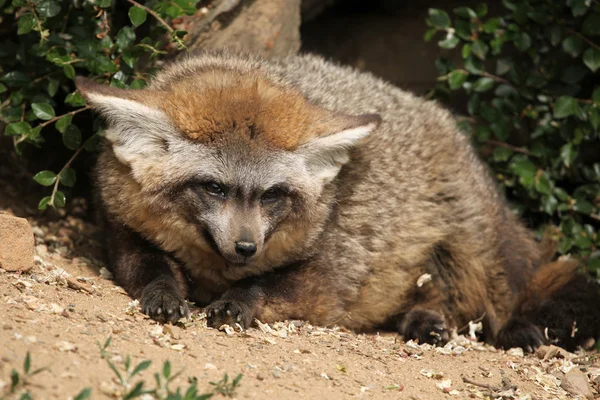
(173,331)
(576,383)
(270,28)
(552,351)
(16,244)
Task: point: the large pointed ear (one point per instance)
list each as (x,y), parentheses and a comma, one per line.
(137,126)
(327,152)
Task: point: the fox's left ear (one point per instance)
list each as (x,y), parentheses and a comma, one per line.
(137,124)
(327,152)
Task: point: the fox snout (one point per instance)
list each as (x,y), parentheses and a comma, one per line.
(245,249)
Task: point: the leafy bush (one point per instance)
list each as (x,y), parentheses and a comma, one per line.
(532,88)
(50,41)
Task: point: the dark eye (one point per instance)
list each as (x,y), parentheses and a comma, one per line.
(214,188)
(272,195)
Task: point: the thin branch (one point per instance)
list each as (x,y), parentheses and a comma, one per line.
(579,35)
(64,115)
(595,216)
(67,165)
(508,146)
(482,385)
(154,14)
(495,77)
(38,22)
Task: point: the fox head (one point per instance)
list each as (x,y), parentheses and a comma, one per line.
(239,162)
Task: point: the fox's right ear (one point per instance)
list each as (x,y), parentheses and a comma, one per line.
(137,125)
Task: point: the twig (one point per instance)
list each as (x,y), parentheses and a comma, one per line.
(508,146)
(494,77)
(474,321)
(154,14)
(579,35)
(483,385)
(64,115)
(37,20)
(595,216)
(67,165)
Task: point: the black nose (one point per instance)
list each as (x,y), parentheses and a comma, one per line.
(245,249)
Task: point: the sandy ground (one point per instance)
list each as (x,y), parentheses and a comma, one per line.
(60,309)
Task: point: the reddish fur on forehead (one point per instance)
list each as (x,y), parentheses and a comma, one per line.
(216,108)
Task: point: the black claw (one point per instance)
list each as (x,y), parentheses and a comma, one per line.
(426,326)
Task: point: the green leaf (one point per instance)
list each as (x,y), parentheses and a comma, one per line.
(524,168)
(594,118)
(465,12)
(125,38)
(482,84)
(138,84)
(15,78)
(481,10)
(137,16)
(584,207)
(166,369)
(474,65)
(429,33)
(466,50)
(480,49)
(59,199)
(45,178)
(492,25)
(543,185)
(591,24)
(48,8)
(43,111)
(572,45)
(17,128)
(502,154)
(457,78)
(3,88)
(522,41)
(565,106)
(69,71)
(26,24)
(555,35)
(68,177)
(591,58)
(596,95)
(568,154)
(84,394)
(438,18)
(44,202)
(137,391)
(75,99)
(91,144)
(62,124)
(52,87)
(72,137)
(578,7)
(27,363)
(450,42)
(141,367)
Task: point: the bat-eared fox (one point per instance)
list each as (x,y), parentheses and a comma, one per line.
(301,189)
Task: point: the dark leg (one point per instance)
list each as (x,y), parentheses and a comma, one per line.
(147,273)
(291,292)
(423,324)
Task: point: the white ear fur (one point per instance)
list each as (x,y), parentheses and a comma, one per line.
(326,155)
(135,129)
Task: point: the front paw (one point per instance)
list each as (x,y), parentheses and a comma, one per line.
(519,332)
(426,326)
(164,306)
(228,312)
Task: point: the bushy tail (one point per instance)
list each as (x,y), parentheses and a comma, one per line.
(562,303)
